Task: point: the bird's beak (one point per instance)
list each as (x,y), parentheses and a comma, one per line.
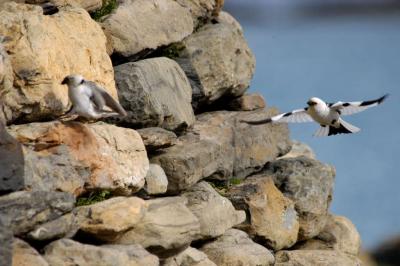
(65,81)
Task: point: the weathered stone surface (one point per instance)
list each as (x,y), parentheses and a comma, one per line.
(6,240)
(89,5)
(309,183)
(155,92)
(167,227)
(138,25)
(70,253)
(75,157)
(215,213)
(189,257)
(109,219)
(25,255)
(42,51)
(247,102)
(217,61)
(272,217)
(314,257)
(11,162)
(202,10)
(26,209)
(156,180)
(220,147)
(299,149)
(339,234)
(155,138)
(235,248)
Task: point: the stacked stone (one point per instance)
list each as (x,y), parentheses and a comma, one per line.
(181,69)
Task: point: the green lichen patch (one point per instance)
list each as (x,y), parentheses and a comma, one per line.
(93,197)
(106,9)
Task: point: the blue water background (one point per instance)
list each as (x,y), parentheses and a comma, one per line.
(346,52)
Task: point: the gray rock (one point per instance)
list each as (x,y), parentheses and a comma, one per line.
(299,149)
(247,102)
(155,92)
(189,257)
(138,25)
(217,61)
(215,213)
(235,248)
(314,257)
(272,219)
(24,254)
(6,240)
(155,138)
(220,147)
(67,252)
(156,180)
(75,157)
(202,10)
(11,162)
(25,210)
(309,183)
(166,229)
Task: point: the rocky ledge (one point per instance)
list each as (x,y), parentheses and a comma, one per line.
(179,180)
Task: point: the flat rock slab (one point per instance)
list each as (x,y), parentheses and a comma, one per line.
(42,50)
(155,92)
(235,248)
(247,102)
(25,210)
(76,157)
(138,25)
(220,147)
(155,138)
(309,183)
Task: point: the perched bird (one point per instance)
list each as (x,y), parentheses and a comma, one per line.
(328,115)
(88,99)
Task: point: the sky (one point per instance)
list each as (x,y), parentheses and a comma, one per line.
(337,50)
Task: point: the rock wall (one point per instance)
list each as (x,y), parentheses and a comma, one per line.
(179,181)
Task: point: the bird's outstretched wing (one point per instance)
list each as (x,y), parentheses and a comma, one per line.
(295,116)
(349,108)
(101,98)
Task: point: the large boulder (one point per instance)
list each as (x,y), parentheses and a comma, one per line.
(167,227)
(89,5)
(309,183)
(156,180)
(202,10)
(218,62)
(25,210)
(155,92)
(215,213)
(155,138)
(272,217)
(140,25)
(220,147)
(42,51)
(69,253)
(76,157)
(25,255)
(189,257)
(314,257)
(235,248)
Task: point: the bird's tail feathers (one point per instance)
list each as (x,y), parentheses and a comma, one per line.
(349,127)
(344,128)
(322,131)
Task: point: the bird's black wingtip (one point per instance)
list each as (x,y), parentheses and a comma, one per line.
(380,100)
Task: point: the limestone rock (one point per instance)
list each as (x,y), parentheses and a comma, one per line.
(314,257)
(217,61)
(247,102)
(155,92)
(25,255)
(202,10)
(155,138)
(167,227)
(235,248)
(215,213)
(220,147)
(272,217)
(189,257)
(75,157)
(89,5)
(26,209)
(67,252)
(42,51)
(6,240)
(156,180)
(309,183)
(138,25)
(299,149)
(111,218)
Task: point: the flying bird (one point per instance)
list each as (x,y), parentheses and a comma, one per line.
(328,115)
(88,99)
